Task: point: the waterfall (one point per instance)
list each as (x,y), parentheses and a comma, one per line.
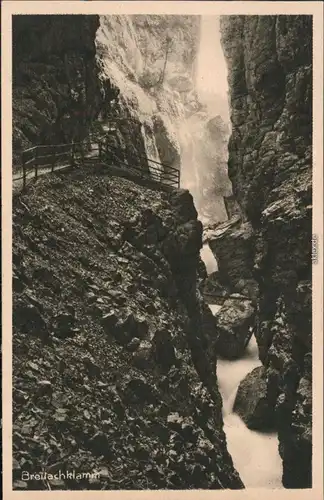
(151,151)
(204,134)
(211,69)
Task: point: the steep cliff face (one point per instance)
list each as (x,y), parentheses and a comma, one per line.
(56,90)
(270,76)
(114,360)
(151,59)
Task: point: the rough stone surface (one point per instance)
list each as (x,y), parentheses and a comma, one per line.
(167,143)
(133,391)
(56,90)
(270,166)
(234,323)
(215,292)
(232,244)
(252,401)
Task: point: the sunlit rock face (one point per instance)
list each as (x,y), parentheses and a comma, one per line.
(151,59)
(157,63)
(270,76)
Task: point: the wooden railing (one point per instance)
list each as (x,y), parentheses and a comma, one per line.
(40,157)
(142,166)
(52,157)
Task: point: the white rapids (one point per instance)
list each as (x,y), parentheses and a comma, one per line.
(255,454)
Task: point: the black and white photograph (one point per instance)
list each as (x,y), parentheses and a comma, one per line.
(163,250)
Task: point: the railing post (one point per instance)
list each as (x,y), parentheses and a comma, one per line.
(72,155)
(82,152)
(24,170)
(36,164)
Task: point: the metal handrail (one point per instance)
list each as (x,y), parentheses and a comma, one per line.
(150,160)
(175,179)
(170,174)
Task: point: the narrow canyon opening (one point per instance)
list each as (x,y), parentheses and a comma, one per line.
(255,454)
(162,293)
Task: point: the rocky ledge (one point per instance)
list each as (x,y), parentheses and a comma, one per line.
(113,352)
(234,326)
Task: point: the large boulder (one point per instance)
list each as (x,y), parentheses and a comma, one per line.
(215,292)
(234,323)
(252,403)
(232,246)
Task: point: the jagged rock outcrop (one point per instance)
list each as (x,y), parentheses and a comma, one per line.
(253,403)
(270,77)
(235,240)
(214,290)
(232,244)
(113,351)
(234,324)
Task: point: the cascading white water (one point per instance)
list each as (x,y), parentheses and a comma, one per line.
(204,134)
(210,262)
(211,70)
(255,454)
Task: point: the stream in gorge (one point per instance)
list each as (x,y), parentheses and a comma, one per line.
(255,454)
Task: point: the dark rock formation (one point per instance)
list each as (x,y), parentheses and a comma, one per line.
(270,165)
(56,90)
(232,207)
(234,323)
(133,392)
(215,292)
(232,244)
(60,91)
(252,402)
(234,239)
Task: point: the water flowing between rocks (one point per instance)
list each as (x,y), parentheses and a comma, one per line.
(255,454)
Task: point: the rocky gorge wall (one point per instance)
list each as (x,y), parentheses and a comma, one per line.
(270,165)
(72,74)
(150,60)
(113,346)
(56,90)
